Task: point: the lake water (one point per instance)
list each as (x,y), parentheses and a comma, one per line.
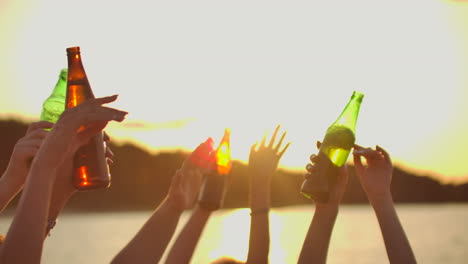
(438,234)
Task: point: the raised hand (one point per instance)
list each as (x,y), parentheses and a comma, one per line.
(376,175)
(263,159)
(78,124)
(18,167)
(25,150)
(184,188)
(74,128)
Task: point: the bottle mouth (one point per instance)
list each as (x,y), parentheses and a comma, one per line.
(64,74)
(73,49)
(357,96)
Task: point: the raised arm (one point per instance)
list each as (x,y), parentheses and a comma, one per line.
(23,153)
(25,237)
(263,162)
(150,242)
(317,240)
(187,240)
(63,188)
(375,178)
(184,246)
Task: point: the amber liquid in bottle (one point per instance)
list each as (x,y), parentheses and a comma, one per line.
(90,168)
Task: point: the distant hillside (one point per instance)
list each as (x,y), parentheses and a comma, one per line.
(140,181)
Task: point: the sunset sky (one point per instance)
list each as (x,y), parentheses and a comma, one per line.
(185,70)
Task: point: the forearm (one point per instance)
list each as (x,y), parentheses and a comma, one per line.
(10,185)
(317,240)
(9,188)
(149,243)
(26,232)
(259,240)
(396,243)
(184,247)
(57,203)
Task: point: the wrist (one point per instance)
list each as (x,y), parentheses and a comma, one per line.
(203,210)
(326,210)
(259,202)
(14,178)
(259,211)
(170,206)
(381,199)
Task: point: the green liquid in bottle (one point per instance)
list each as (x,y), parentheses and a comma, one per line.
(54,105)
(337,144)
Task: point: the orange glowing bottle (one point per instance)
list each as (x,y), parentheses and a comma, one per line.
(201,157)
(90,169)
(214,185)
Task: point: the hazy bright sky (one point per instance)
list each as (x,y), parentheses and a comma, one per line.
(185,70)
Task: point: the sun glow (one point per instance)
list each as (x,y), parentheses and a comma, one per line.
(296,66)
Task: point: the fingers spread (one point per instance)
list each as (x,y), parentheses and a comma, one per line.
(280,141)
(273,137)
(262,144)
(284,149)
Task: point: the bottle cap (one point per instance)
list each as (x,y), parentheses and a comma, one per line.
(73,49)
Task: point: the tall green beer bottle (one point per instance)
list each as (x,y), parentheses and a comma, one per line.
(333,152)
(54,105)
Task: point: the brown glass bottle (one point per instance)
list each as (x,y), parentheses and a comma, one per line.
(90,169)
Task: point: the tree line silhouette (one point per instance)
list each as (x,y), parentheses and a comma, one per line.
(140,181)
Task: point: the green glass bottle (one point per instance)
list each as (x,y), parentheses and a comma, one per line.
(334,151)
(54,105)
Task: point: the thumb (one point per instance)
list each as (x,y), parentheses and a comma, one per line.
(358,167)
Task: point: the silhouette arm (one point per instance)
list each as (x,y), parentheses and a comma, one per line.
(64,189)
(317,240)
(263,162)
(25,237)
(183,248)
(24,151)
(259,237)
(9,188)
(396,243)
(149,244)
(375,178)
(316,243)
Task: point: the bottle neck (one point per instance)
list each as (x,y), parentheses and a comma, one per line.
(349,115)
(75,66)
(61,85)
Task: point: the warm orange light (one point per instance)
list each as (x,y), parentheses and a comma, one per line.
(223,154)
(84,173)
(77,56)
